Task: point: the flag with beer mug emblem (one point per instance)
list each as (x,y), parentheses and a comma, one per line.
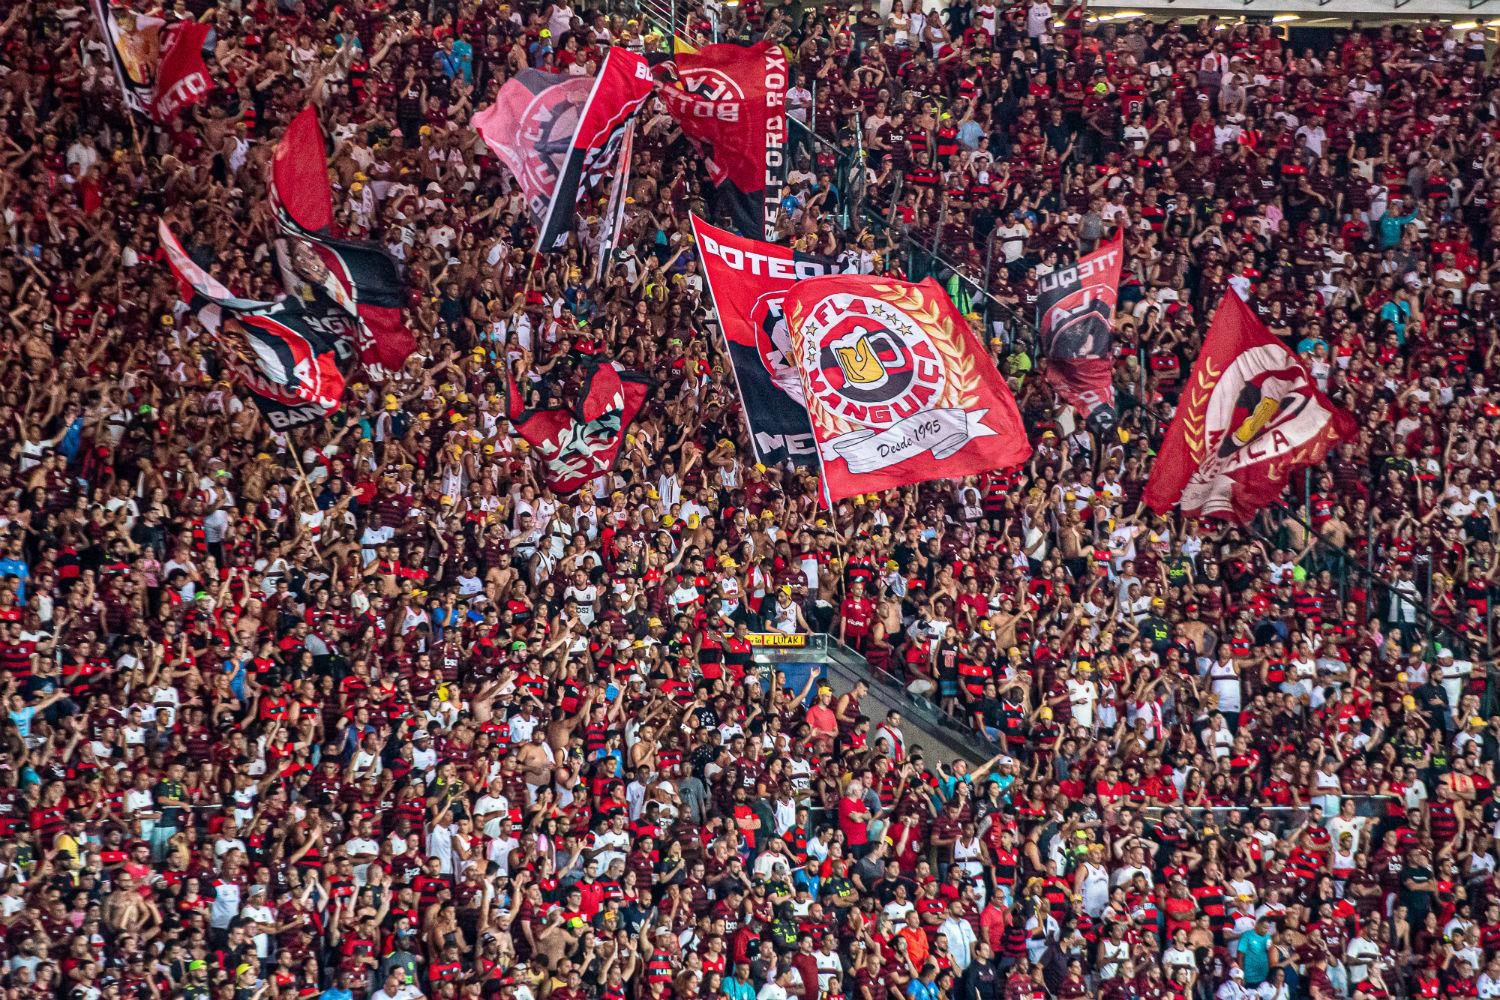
(1249,417)
(897,386)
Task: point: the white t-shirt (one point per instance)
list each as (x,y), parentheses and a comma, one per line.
(1012,241)
(261,914)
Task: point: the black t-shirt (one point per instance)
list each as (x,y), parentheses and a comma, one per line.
(1417,902)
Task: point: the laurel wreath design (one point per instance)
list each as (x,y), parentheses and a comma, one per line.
(961,388)
(1196,412)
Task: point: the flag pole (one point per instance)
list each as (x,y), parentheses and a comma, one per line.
(302,474)
(135,136)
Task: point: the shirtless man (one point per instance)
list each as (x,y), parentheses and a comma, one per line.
(126,911)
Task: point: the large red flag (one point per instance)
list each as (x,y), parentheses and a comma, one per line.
(1249,417)
(731,100)
(898,388)
(182,78)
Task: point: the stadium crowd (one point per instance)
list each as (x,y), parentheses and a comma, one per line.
(365,711)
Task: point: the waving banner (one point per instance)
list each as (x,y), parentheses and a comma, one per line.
(159,66)
(622,86)
(182,79)
(134,42)
(285,353)
(293,374)
(360,276)
(578,444)
(530,128)
(748,280)
(1075,312)
(731,100)
(898,388)
(1250,416)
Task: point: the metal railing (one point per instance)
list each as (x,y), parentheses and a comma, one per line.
(663,15)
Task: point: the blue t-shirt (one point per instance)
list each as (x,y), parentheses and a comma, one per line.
(22,720)
(919,990)
(18,569)
(1254,950)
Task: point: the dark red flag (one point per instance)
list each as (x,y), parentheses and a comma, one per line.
(1250,416)
(182,78)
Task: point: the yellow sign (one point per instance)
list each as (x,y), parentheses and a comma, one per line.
(777,639)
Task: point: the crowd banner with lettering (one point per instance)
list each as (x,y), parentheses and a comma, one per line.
(776,640)
(748,280)
(731,100)
(182,78)
(622,86)
(898,387)
(1075,312)
(1250,416)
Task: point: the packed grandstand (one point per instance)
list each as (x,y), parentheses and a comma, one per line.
(408,457)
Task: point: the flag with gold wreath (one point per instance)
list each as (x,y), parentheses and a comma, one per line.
(898,386)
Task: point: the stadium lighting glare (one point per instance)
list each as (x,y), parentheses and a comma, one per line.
(1285,18)
(1465,25)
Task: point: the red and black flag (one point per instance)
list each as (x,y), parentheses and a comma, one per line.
(531,127)
(285,353)
(360,276)
(1075,312)
(577,444)
(731,100)
(622,86)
